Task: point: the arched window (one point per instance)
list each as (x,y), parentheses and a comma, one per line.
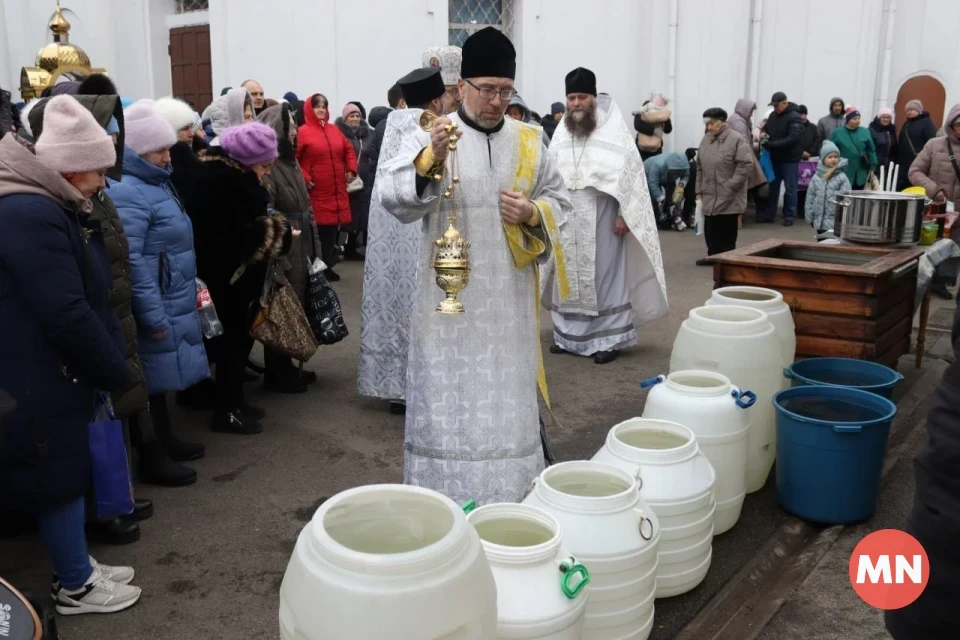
(186,6)
(469,16)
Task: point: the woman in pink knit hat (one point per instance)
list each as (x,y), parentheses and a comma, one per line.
(60,343)
(235,237)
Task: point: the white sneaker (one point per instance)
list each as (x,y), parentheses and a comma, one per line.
(98,595)
(120,575)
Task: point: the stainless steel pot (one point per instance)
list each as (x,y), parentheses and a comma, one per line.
(879,217)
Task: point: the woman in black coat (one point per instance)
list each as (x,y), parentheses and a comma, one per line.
(235,237)
(360,135)
(884,135)
(914,134)
(60,342)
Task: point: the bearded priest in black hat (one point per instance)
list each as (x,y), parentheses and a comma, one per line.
(472,422)
(618,282)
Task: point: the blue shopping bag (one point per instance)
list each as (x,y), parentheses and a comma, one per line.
(767,165)
(108,461)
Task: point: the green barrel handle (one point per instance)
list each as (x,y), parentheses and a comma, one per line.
(469,506)
(571,569)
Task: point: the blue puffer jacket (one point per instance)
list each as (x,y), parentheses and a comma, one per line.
(658,170)
(163,267)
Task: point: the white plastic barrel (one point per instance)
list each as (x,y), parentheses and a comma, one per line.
(610,529)
(542,590)
(389,562)
(678,483)
(719,414)
(770,302)
(740,343)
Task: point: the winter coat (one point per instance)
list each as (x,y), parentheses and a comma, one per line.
(289,196)
(163,266)
(651,130)
(724,165)
(810,139)
(740,120)
(828,123)
(325,157)
(854,145)
(914,135)
(659,168)
(549,125)
(785,131)
(232,229)
(884,141)
(60,340)
(378,120)
(933,169)
(818,210)
(935,517)
(132,400)
(360,138)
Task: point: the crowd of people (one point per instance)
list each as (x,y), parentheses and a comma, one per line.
(111,210)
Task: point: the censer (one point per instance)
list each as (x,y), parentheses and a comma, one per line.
(450,259)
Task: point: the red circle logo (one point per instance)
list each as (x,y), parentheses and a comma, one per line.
(889,569)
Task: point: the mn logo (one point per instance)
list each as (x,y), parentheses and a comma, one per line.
(889,569)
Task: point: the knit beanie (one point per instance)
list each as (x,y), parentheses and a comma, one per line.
(852,113)
(556,107)
(72,141)
(146,131)
(291,97)
(249,144)
(885,111)
(915,104)
(350,108)
(177,113)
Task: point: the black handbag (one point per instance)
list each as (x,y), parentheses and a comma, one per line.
(323,307)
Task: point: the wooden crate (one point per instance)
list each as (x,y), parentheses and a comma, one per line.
(848,301)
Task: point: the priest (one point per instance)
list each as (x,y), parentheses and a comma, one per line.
(472,428)
(447,58)
(617,281)
(393,250)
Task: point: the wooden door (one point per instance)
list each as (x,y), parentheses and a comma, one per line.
(190,65)
(927,90)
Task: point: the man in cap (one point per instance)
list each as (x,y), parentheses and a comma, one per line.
(393,254)
(448,58)
(618,282)
(782,136)
(556,115)
(472,424)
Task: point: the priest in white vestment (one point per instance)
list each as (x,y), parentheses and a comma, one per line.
(472,420)
(611,243)
(392,258)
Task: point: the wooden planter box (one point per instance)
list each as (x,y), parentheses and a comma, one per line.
(847,301)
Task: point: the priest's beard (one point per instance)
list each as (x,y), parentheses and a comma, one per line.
(581,123)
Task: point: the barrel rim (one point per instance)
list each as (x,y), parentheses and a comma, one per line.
(836,391)
(897,377)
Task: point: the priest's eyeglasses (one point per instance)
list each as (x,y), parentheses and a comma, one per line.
(489,94)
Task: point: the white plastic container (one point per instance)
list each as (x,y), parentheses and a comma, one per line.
(719,414)
(542,590)
(389,562)
(609,528)
(678,483)
(740,343)
(770,302)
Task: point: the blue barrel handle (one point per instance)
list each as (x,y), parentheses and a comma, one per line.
(751,398)
(788,373)
(649,382)
(847,428)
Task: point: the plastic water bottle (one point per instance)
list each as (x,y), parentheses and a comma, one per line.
(209,321)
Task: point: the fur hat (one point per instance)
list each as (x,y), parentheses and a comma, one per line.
(249,144)
(146,131)
(177,113)
(72,141)
(97,84)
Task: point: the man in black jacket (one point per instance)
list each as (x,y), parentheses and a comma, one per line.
(782,137)
(810,144)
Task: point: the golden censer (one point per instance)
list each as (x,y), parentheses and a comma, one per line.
(450,259)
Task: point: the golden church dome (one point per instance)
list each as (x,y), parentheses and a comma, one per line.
(60,53)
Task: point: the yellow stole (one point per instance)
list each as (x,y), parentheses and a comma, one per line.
(526,247)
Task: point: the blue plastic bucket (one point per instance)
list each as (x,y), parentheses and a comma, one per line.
(830,446)
(845,372)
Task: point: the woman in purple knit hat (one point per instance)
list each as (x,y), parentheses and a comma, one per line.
(235,238)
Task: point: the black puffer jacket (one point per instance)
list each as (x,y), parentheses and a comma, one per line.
(361,138)
(914,134)
(885,140)
(786,132)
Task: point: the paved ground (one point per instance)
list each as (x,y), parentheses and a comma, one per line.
(212,559)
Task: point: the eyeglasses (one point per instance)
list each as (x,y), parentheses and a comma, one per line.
(490,94)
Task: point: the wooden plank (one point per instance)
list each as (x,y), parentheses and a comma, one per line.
(849,327)
(894,336)
(891,357)
(814,347)
(777,279)
(764,255)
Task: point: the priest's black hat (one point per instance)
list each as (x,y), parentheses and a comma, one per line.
(420,86)
(488,53)
(581,80)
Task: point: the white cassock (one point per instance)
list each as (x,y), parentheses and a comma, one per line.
(617,284)
(389,277)
(472,423)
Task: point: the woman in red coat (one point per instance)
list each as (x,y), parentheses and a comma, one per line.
(328,163)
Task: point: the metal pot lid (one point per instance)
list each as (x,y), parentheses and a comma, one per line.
(881,195)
